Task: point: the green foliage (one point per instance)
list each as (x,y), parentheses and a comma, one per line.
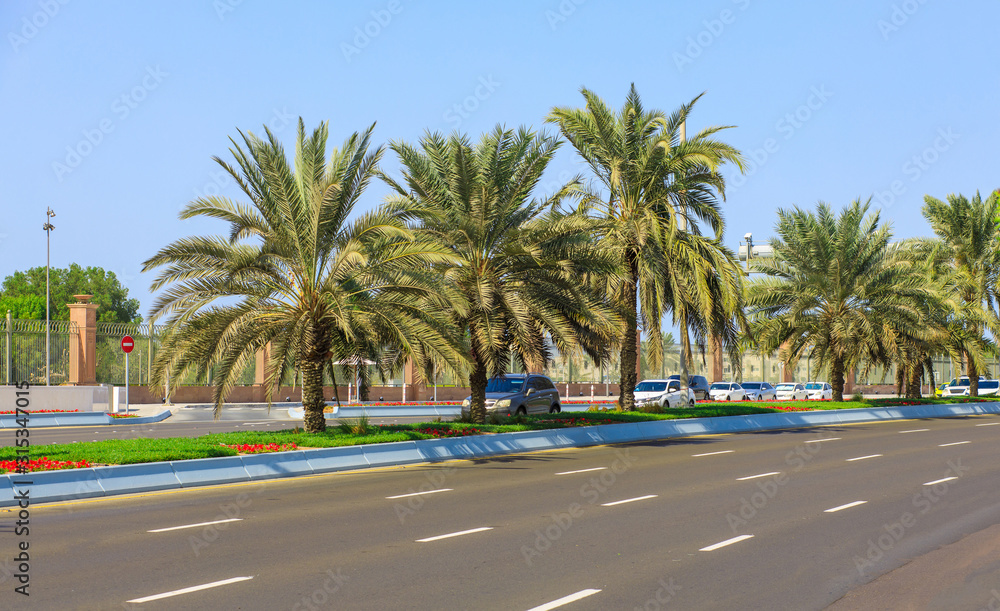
(24,307)
(109,294)
(355,426)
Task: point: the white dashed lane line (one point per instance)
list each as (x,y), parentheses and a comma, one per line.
(743,479)
(821,440)
(163,530)
(956,443)
(403,496)
(206,586)
(712,548)
(458,534)
(914,431)
(842,507)
(989,424)
(940,481)
(863,457)
(716,453)
(638,498)
(582,471)
(565,600)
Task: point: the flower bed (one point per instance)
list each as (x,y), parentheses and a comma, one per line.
(41,464)
(41,411)
(260,448)
(443,433)
(123,415)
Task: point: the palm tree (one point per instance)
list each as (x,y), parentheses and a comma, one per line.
(834,291)
(296,273)
(968,227)
(518,261)
(654,186)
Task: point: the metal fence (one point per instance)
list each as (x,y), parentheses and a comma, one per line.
(23,351)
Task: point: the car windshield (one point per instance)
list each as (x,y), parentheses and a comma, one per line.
(650,387)
(751,385)
(505,385)
(814,386)
(786,387)
(718,386)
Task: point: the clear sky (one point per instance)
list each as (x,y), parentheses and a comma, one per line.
(113,110)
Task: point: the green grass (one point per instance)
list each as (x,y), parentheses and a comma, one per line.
(131,451)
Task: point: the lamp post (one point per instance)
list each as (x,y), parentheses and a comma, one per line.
(47,227)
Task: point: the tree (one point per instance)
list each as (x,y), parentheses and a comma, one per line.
(111,297)
(518,260)
(834,291)
(969,230)
(295,273)
(655,187)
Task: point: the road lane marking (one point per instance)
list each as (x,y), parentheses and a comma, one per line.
(743,479)
(206,586)
(989,424)
(847,506)
(638,498)
(403,496)
(957,443)
(914,431)
(582,471)
(163,530)
(825,439)
(565,600)
(940,481)
(722,452)
(863,457)
(458,534)
(712,548)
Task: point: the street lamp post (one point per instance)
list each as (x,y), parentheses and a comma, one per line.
(47,227)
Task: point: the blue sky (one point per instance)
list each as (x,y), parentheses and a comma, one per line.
(113,110)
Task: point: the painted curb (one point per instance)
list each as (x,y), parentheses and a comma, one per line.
(9,421)
(102,481)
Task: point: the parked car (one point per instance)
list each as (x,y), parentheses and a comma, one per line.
(727,391)
(939,391)
(986,388)
(794,391)
(665,393)
(699,384)
(819,391)
(518,393)
(758,391)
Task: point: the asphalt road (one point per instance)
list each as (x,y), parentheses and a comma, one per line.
(777,520)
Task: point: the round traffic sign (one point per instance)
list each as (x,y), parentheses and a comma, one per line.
(127,344)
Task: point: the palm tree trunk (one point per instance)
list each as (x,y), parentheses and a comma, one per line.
(837,377)
(477,385)
(312,396)
(627,380)
(973,377)
(900,378)
(913,385)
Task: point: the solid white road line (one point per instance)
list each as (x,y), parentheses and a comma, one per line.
(565,600)
(825,439)
(957,443)
(989,424)
(403,496)
(582,471)
(914,431)
(743,479)
(940,481)
(847,506)
(206,586)
(863,457)
(458,534)
(163,530)
(711,548)
(722,452)
(638,498)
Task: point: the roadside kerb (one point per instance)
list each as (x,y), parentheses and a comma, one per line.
(100,481)
(9,421)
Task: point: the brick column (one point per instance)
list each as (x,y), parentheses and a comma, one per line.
(83,351)
(415,391)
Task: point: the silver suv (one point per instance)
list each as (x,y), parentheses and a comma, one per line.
(518,393)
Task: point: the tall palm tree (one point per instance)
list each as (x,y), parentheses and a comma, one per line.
(518,260)
(654,186)
(296,273)
(834,291)
(969,229)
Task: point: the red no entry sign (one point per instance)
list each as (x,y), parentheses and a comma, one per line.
(127,344)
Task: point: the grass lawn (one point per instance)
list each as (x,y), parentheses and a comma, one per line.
(355,432)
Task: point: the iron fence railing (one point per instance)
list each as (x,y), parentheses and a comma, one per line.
(22,351)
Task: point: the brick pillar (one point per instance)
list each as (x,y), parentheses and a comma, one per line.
(83,350)
(415,391)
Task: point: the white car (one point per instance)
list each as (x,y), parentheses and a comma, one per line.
(665,393)
(726,391)
(819,391)
(987,388)
(758,391)
(794,391)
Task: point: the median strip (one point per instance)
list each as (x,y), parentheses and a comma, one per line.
(458,534)
(743,479)
(403,496)
(638,498)
(163,530)
(842,507)
(863,457)
(565,600)
(712,548)
(206,586)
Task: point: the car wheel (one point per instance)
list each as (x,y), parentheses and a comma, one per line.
(728,398)
(554,409)
(521,411)
(690,402)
